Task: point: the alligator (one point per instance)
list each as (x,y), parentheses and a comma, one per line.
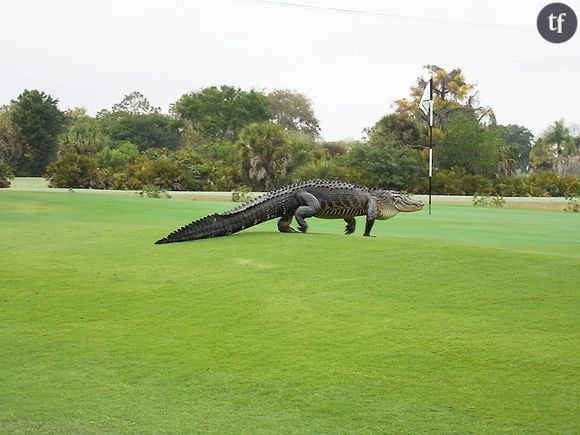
(329,199)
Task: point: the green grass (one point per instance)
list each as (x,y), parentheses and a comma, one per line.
(464,321)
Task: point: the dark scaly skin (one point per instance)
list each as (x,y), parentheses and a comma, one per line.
(327,199)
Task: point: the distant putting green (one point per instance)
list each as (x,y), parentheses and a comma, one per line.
(464,321)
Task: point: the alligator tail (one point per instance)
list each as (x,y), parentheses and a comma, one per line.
(222,224)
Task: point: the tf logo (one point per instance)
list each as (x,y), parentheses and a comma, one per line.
(557,22)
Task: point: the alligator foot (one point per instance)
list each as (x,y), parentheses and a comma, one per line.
(284,225)
(287,229)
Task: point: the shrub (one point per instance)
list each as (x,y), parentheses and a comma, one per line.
(75,170)
(325,169)
(488,201)
(538,184)
(572,204)
(6,175)
(182,170)
(153,192)
(385,163)
(241,194)
(118,157)
(162,173)
(458,182)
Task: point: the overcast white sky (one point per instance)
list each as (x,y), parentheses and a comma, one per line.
(351,65)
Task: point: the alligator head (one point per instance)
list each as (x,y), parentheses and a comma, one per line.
(390,203)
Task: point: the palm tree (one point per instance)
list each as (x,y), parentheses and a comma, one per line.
(265,154)
(559,135)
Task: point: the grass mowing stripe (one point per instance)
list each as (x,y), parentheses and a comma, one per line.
(464,321)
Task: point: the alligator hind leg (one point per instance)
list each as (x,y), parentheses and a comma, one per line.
(284,224)
(309,206)
(350,225)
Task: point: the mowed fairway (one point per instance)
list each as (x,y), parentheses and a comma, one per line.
(464,321)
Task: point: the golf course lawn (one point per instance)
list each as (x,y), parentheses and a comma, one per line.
(465,321)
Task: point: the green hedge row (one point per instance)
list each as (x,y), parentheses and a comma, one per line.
(185,170)
(169,171)
(457,182)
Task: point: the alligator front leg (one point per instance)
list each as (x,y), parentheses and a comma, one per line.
(368,227)
(372,213)
(309,206)
(350,225)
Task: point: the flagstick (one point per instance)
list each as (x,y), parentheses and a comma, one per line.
(430,140)
(427,109)
(430,170)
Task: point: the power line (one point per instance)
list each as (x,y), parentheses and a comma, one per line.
(428,53)
(424,20)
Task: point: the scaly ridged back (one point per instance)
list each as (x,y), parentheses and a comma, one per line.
(287,190)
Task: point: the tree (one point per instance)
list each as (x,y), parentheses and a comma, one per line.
(518,142)
(386,165)
(5,175)
(451,94)
(150,130)
(11,145)
(221,113)
(391,158)
(462,129)
(38,121)
(293,111)
(469,146)
(223,157)
(266,153)
(448,86)
(404,130)
(136,121)
(332,149)
(383,162)
(118,157)
(558,136)
(134,103)
(84,135)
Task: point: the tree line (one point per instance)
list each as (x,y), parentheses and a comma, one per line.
(227,138)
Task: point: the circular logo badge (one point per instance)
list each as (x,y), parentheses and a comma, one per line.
(557,22)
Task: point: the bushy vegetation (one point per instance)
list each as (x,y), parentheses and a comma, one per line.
(5,175)
(221,138)
(538,184)
(180,170)
(325,169)
(459,182)
(572,204)
(488,201)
